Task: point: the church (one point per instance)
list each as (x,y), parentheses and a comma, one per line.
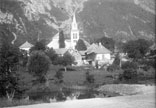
(69,43)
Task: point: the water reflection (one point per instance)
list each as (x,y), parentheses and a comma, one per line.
(69,94)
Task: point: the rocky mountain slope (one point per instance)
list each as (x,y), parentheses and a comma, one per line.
(121,20)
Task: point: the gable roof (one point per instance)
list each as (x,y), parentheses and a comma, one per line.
(98,49)
(86,43)
(56,36)
(61,51)
(26,45)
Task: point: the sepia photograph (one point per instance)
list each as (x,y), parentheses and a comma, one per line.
(77,53)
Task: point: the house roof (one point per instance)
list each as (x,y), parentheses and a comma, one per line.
(82,52)
(26,45)
(86,43)
(61,51)
(98,49)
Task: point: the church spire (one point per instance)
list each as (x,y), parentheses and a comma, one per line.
(74,32)
(74,23)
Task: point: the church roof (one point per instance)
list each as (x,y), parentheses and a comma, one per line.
(56,36)
(26,45)
(61,51)
(98,49)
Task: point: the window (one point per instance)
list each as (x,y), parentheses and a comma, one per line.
(74,35)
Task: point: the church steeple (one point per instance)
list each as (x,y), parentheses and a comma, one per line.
(74,23)
(74,32)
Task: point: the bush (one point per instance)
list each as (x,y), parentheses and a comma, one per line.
(129,74)
(129,65)
(59,76)
(112,68)
(89,78)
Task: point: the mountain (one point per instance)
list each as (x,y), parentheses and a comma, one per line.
(120,20)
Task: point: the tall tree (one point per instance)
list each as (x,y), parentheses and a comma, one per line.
(61,39)
(39,45)
(52,55)
(9,59)
(38,65)
(80,46)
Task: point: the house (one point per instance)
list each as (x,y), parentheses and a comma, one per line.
(77,56)
(98,54)
(26,46)
(61,51)
(55,42)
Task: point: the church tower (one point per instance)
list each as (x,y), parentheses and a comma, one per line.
(74,33)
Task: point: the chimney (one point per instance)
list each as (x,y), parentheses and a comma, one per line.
(100,44)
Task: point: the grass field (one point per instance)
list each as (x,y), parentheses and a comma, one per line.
(77,75)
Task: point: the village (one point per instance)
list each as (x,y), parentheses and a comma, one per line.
(95,54)
(73,68)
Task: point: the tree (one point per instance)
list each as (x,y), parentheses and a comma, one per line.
(107,42)
(52,55)
(80,46)
(61,40)
(136,49)
(38,65)
(39,45)
(65,60)
(9,59)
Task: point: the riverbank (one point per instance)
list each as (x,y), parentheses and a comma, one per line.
(144,99)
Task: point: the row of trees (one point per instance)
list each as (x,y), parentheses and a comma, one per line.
(37,63)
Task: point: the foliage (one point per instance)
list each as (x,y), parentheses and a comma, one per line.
(136,49)
(39,45)
(113,67)
(52,55)
(129,76)
(8,66)
(68,59)
(80,46)
(129,65)
(107,42)
(130,72)
(117,60)
(89,78)
(61,40)
(38,65)
(59,76)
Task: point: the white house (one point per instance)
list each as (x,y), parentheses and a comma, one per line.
(98,54)
(26,46)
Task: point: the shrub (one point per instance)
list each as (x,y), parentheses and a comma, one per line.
(59,76)
(89,78)
(129,65)
(112,68)
(129,74)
